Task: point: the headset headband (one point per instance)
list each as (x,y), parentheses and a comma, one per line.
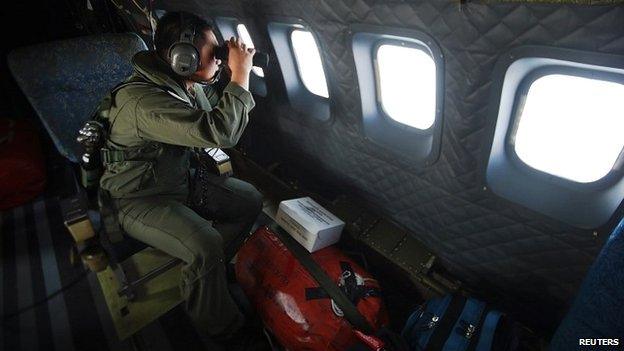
(187,32)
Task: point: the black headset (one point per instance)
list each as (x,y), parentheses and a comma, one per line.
(183,55)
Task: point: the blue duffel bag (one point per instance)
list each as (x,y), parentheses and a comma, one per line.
(457,323)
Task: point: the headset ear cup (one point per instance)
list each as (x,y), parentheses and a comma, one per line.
(184,58)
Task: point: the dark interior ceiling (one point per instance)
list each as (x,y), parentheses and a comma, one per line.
(484,239)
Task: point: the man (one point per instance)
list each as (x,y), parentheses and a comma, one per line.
(154,120)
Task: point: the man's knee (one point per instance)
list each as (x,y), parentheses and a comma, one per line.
(206,246)
(250,199)
(254,200)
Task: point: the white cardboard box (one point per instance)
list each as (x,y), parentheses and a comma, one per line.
(309,223)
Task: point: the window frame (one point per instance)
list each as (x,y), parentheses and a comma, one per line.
(385,114)
(589,205)
(298,67)
(227,27)
(416,147)
(312,109)
(520,101)
(254,45)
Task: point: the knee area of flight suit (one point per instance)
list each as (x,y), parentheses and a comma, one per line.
(250,200)
(206,248)
(254,203)
(206,258)
(229,200)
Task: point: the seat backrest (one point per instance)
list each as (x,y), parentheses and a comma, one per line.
(65,80)
(597,311)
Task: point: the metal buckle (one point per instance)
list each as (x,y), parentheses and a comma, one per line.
(468,329)
(430,323)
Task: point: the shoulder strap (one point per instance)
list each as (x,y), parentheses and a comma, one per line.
(351,312)
(107,102)
(101,112)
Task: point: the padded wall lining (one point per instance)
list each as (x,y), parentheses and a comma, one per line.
(480,237)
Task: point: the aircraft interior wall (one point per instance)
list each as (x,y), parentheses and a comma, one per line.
(537,261)
(530,263)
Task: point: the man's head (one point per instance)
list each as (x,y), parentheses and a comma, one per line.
(168,32)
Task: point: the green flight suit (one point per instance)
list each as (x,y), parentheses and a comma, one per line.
(153,123)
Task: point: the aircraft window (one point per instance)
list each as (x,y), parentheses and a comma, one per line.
(244,35)
(570,127)
(232,27)
(407,85)
(309,62)
(555,121)
(401,84)
(297,53)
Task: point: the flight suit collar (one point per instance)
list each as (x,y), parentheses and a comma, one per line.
(201,99)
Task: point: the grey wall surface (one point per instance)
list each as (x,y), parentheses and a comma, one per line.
(485,240)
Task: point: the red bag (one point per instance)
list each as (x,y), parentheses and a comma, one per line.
(22,171)
(292,305)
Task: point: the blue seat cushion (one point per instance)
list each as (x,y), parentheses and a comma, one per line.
(65,80)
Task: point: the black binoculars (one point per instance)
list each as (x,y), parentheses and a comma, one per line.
(260,59)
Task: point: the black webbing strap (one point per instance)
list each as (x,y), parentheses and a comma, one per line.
(474,341)
(351,312)
(108,213)
(444,328)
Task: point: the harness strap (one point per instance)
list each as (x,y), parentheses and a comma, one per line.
(351,313)
(107,154)
(108,211)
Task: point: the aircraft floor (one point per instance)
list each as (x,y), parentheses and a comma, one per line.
(35,261)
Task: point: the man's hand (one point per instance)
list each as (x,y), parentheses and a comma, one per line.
(240,61)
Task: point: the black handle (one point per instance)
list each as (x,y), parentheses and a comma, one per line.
(260,59)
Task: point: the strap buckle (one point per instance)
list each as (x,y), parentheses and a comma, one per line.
(111,156)
(468,329)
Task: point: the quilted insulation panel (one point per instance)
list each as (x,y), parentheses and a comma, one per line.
(483,239)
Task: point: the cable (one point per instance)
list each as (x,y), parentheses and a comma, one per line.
(47,298)
(149,6)
(147,11)
(142,9)
(111,22)
(119,7)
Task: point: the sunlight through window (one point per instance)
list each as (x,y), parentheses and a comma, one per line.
(571,127)
(407,85)
(309,62)
(244,35)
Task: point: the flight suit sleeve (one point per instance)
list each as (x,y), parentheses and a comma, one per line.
(163,118)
